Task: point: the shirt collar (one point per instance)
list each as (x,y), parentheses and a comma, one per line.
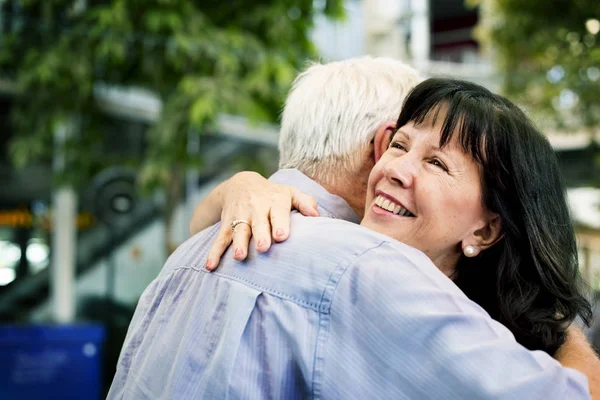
(334,205)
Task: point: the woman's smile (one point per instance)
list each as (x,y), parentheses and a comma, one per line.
(386,204)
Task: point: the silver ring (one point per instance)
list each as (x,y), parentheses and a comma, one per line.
(237,222)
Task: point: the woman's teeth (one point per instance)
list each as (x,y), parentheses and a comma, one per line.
(392,207)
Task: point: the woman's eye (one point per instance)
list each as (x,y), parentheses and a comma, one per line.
(439,164)
(397,145)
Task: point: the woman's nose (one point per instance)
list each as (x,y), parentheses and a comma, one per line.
(402,170)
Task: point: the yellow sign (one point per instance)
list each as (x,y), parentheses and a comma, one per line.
(16,218)
(24,219)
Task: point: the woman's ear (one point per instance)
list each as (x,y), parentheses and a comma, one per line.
(381,141)
(490,233)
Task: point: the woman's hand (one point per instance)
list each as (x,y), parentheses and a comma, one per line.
(250,197)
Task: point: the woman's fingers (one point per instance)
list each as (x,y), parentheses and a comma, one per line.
(280,211)
(219,247)
(261,231)
(306,204)
(280,222)
(267,206)
(241,237)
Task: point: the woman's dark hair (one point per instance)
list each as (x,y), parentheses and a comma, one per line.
(529,281)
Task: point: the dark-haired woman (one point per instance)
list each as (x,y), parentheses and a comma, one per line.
(461,155)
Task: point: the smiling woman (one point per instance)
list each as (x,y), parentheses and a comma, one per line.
(468,180)
(439,185)
(490,206)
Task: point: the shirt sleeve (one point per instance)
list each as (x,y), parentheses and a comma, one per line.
(398,328)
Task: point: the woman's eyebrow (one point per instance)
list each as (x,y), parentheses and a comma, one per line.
(436,147)
(406,135)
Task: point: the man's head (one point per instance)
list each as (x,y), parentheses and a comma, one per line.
(332,115)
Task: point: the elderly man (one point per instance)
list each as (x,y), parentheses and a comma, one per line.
(314,319)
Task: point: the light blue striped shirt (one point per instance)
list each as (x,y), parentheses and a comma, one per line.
(335,312)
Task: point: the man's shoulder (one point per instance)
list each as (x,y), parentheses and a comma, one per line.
(331,242)
(313,258)
(330,234)
(304,266)
(339,239)
(393,266)
(193,252)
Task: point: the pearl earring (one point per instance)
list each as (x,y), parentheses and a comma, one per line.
(470,251)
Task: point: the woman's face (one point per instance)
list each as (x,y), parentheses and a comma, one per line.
(424,196)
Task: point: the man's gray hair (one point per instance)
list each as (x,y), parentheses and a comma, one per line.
(334,109)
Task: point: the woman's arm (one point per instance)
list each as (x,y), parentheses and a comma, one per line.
(208,211)
(250,197)
(577,353)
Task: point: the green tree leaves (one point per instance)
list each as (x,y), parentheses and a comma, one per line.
(549,57)
(200,57)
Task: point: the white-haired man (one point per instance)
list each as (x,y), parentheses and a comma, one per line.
(332,115)
(271,327)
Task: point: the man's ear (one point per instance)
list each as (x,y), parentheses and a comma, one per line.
(491,233)
(382,139)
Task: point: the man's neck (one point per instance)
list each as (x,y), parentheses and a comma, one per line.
(351,185)
(355,197)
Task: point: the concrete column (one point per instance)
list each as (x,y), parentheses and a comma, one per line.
(420,32)
(64,201)
(386,27)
